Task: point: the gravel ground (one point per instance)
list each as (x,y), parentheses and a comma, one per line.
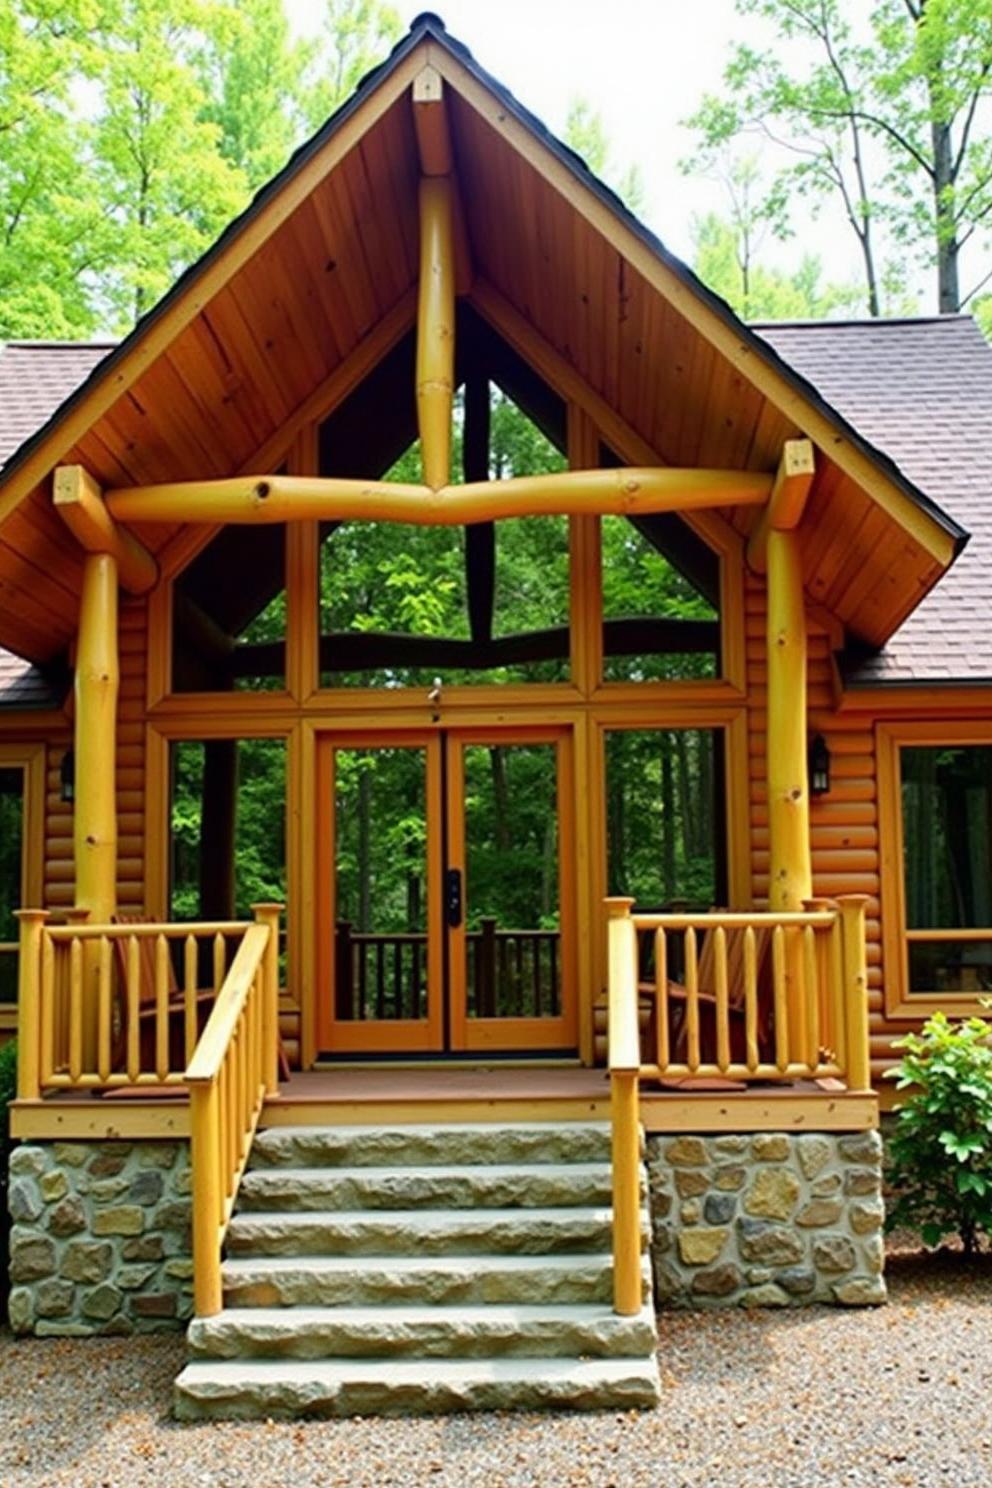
(897,1397)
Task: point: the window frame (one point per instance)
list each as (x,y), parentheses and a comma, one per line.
(900,1000)
(30,759)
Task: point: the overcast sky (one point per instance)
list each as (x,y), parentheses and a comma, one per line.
(643,65)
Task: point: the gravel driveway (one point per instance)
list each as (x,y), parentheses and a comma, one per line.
(767,1400)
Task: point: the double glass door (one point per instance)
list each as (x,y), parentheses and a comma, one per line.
(446,892)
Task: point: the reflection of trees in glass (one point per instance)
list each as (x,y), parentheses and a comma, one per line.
(381,839)
(11,837)
(947,831)
(511,835)
(259,831)
(393,579)
(639,581)
(664,827)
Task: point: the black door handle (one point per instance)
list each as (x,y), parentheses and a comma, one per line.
(453,898)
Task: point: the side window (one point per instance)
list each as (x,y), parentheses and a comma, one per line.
(946,796)
(11,874)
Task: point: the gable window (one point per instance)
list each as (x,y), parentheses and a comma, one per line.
(938,850)
(229,614)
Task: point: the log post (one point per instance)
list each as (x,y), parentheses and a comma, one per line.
(791,877)
(95,811)
(436,330)
(855,963)
(269,914)
(32,924)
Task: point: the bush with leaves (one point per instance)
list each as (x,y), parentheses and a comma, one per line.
(941,1149)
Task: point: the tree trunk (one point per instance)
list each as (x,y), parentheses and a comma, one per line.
(364,852)
(948,279)
(667,821)
(501,798)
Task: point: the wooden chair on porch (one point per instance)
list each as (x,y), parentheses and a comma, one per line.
(148,1005)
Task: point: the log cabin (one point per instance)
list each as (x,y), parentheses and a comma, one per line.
(459,899)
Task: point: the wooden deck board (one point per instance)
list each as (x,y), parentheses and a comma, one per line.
(384,1094)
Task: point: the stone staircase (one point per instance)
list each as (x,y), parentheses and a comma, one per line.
(416,1269)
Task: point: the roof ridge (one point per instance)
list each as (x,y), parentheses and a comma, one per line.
(953,316)
(59,343)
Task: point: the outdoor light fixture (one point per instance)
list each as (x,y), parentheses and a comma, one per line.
(819,766)
(67,776)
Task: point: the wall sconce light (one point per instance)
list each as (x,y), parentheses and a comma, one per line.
(819,766)
(67,777)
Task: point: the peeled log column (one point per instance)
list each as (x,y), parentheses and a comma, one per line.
(436,330)
(96,685)
(95,813)
(791,876)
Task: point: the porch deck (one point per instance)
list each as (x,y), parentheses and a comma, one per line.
(339,1095)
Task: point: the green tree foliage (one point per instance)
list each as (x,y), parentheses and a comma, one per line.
(884,114)
(760,293)
(941,1149)
(585,133)
(132,131)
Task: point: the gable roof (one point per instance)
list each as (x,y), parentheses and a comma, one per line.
(921,389)
(326,256)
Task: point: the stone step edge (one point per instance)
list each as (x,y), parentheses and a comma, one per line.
(591,1171)
(235,1266)
(431,1129)
(420,1218)
(446,1384)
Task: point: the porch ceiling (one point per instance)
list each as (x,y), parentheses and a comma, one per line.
(318,277)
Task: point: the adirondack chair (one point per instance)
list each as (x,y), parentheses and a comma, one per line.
(147,1003)
(706,981)
(147,1006)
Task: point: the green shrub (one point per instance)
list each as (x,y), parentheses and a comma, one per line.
(941,1149)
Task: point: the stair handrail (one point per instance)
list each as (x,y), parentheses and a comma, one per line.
(231,1073)
(624,1060)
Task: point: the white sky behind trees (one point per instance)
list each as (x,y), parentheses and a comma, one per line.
(644,66)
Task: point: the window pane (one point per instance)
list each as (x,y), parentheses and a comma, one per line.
(665,830)
(11,843)
(229,614)
(660,591)
(947,820)
(228,827)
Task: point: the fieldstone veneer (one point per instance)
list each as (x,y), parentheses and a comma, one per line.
(99,1239)
(771,1220)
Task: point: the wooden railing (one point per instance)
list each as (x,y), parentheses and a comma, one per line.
(107,1006)
(758,996)
(233,1070)
(509,972)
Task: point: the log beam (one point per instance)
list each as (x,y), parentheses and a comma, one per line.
(787,502)
(79,502)
(271,499)
(436,329)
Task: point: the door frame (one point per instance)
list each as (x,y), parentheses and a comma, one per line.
(475,1035)
(396,1036)
(444,803)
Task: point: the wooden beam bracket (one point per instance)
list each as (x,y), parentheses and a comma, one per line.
(79,501)
(787,502)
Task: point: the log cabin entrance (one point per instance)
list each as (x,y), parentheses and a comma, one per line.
(445,892)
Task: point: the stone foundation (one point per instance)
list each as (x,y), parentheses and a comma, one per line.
(99,1239)
(769,1220)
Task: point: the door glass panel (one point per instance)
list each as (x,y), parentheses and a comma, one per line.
(512,918)
(380,941)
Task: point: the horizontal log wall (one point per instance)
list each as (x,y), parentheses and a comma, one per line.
(844,823)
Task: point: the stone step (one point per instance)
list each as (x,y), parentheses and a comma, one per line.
(423,1232)
(428,1146)
(245,1390)
(334,1281)
(582,1331)
(494,1186)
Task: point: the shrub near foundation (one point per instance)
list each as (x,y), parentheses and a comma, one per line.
(940,1149)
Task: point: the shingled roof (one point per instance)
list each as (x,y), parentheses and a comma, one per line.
(919,389)
(36,377)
